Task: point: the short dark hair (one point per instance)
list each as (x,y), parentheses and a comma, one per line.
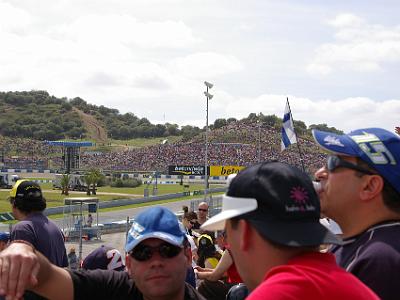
(391,198)
(27,206)
(234,225)
(190,215)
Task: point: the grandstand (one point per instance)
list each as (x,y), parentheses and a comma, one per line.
(237,144)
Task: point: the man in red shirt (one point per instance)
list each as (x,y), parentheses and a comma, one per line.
(271,216)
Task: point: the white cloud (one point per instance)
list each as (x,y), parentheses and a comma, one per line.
(345,114)
(152,57)
(125,29)
(13,19)
(205,65)
(359,46)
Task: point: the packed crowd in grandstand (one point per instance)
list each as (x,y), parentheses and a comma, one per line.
(237,144)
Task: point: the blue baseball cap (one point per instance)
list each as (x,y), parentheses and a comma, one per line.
(379,148)
(156,222)
(4,236)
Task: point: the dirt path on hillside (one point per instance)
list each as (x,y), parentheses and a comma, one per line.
(94,128)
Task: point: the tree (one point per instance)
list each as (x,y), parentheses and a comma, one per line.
(88,179)
(324,127)
(218,123)
(92,178)
(65,179)
(271,120)
(300,127)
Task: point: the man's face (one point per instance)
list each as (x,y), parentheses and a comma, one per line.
(159,277)
(203,210)
(339,190)
(233,240)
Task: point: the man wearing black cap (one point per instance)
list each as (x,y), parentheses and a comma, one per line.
(360,190)
(271,216)
(28,204)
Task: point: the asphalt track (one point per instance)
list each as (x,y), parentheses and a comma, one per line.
(117,240)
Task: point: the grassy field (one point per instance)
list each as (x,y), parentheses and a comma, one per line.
(54,197)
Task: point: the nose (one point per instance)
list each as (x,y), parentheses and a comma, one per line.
(321,173)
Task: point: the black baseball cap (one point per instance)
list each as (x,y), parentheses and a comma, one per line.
(105,258)
(279,200)
(26,190)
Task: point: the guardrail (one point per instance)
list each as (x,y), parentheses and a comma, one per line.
(120,202)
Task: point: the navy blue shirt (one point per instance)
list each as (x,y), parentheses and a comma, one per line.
(374,257)
(44,235)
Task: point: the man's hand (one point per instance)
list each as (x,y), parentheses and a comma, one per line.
(19,267)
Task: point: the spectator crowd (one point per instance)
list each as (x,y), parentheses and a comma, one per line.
(236,144)
(268,241)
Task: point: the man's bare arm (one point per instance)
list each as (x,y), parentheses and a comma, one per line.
(23,268)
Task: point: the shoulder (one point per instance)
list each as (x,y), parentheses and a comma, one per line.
(104,284)
(192,294)
(310,281)
(380,245)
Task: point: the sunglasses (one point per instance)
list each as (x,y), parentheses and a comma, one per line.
(202,209)
(333,162)
(193,222)
(145,252)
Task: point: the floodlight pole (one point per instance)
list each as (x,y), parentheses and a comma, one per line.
(259,141)
(208,97)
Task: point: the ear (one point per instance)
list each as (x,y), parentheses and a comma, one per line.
(371,187)
(246,237)
(127,262)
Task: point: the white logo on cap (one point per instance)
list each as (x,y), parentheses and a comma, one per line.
(136,229)
(331,140)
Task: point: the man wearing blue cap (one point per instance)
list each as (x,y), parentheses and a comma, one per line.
(360,190)
(158,256)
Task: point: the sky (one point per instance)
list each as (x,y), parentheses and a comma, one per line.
(338,62)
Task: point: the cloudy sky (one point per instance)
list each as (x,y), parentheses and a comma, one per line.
(337,61)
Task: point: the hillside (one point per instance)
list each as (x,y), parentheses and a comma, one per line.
(94,128)
(39,116)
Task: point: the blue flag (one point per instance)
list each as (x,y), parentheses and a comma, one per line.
(288,134)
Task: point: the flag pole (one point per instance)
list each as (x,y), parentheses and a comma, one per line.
(298,144)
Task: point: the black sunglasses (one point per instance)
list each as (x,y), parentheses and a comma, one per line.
(145,252)
(202,209)
(333,162)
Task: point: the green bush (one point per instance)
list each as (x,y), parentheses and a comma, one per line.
(126,183)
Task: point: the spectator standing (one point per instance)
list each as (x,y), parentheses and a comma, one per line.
(73,259)
(360,190)
(189,220)
(202,215)
(89,220)
(272,208)
(157,260)
(207,252)
(217,282)
(28,204)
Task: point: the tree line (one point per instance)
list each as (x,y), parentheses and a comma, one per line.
(38,115)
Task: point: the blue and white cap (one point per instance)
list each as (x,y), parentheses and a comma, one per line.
(379,148)
(156,222)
